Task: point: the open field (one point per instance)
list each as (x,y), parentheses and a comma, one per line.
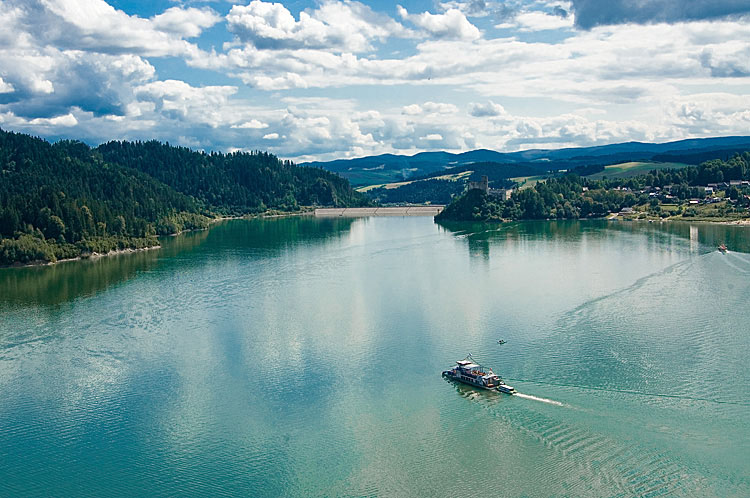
(621,170)
(454,176)
(634,168)
(529,181)
(371,177)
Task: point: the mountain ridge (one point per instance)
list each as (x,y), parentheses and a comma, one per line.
(393,167)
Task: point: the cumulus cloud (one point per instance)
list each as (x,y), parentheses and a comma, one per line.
(439,108)
(474,8)
(731,63)
(590,13)
(48,82)
(451,25)
(177,99)
(541,21)
(187,23)
(66,120)
(412,110)
(490,109)
(252,124)
(344,26)
(96,26)
(709,113)
(5,87)
(429,108)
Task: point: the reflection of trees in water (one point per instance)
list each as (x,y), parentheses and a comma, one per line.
(66,281)
(275,233)
(479,247)
(708,235)
(480,236)
(63,282)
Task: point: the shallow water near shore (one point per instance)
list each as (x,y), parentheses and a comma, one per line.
(302,357)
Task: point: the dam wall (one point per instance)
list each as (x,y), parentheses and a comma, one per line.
(431,210)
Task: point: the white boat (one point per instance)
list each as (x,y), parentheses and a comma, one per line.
(474,374)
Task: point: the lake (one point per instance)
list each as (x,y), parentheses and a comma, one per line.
(302,357)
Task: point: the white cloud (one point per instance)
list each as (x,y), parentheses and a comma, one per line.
(486,110)
(271,136)
(66,120)
(412,110)
(187,23)
(541,21)
(730,60)
(49,82)
(429,108)
(709,113)
(175,98)
(433,137)
(451,25)
(96,26)
(5,87)
(253,124)
(283,82)
(473,8)
(344,26)
(439,108)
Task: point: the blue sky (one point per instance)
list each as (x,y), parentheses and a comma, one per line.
(325,79)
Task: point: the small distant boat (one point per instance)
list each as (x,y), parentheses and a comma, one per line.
(501,341)
(722,248)
(474,374)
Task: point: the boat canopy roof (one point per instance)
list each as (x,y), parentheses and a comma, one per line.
(469,365)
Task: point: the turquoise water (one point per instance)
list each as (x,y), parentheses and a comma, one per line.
(302,357)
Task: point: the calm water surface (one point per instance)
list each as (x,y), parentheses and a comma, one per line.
(302,357)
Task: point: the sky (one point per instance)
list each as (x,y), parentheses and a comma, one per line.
(330,79)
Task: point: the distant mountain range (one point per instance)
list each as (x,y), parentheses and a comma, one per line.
(390,167)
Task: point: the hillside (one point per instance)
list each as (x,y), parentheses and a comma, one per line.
(682,192)
(388,168)
(66,199)
(236,183)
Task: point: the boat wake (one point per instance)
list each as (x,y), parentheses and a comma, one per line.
(535,398)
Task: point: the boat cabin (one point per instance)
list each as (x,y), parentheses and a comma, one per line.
(477,374)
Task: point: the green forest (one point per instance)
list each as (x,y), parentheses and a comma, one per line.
(66,199)
(572,196)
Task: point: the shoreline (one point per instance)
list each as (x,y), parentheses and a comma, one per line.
(130,250)
(721,221)
(744,222)
(89,255)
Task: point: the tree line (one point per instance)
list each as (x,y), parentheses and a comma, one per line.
(572,196)
(67,199)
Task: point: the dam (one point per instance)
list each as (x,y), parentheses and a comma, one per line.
(430,210)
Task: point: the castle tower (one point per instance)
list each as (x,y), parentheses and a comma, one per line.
(483,185)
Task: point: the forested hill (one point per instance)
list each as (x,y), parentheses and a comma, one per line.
(66,199)
(235,183)
(571,196)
